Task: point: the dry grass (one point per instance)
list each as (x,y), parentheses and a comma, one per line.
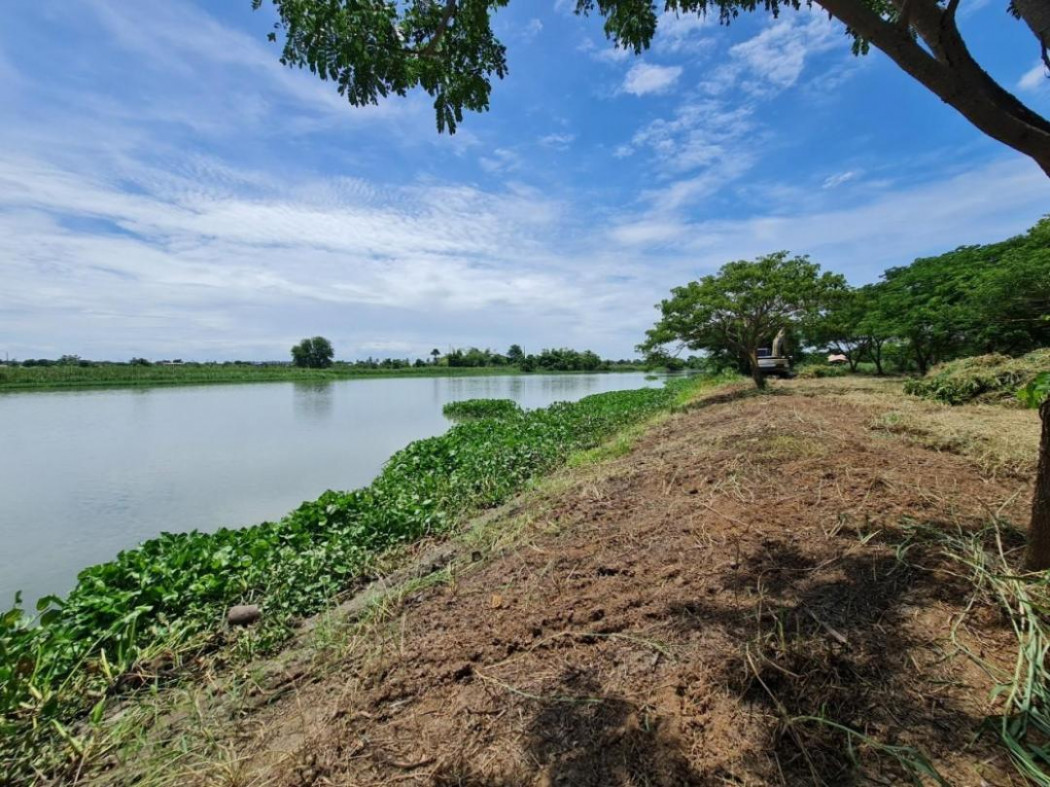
(1000,440)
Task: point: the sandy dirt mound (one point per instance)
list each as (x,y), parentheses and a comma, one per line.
(674,620)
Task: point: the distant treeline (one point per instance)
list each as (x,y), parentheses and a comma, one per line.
(73,371)
(560,359)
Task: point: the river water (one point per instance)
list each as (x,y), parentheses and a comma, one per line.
(85,474)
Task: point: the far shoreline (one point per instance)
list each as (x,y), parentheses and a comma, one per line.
(95,378)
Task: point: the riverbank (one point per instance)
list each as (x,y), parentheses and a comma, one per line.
(812,586)
(43,378)
(153,610)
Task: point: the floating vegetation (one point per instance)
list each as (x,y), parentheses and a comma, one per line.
(466,409)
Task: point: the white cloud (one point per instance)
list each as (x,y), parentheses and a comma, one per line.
(645,78)
(501,160)
(1034,78)
(558,141)
(701,133)
(682,33)
(604,52)
(863,239)
(833,181)
(715,135)
(532,29)
(773,60)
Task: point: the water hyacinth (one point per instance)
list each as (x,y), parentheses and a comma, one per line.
(481,408)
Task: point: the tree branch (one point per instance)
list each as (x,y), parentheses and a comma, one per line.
(950,72)
(439,31)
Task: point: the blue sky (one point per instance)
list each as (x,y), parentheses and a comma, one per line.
(168,189)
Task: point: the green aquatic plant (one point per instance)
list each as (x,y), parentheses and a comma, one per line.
(481,408)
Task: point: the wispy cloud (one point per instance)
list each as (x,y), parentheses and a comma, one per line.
(833,181)
(558,141)
(683,33)
(1035,78)
(531,29)
(500,160)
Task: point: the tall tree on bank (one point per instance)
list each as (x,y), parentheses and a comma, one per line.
(374,48)
(315,353)
(743,306)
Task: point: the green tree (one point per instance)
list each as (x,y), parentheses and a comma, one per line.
(515,354)
(841,328)
(375,48)
(969,301)
(434,355)
(315,353)
(743,306)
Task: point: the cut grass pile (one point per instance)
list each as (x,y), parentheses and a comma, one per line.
(983,378)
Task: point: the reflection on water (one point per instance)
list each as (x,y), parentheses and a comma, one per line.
(313,399)
(84,474)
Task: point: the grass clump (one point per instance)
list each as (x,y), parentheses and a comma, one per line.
(982,378)
(1022,693)
(140,616)
(467,409)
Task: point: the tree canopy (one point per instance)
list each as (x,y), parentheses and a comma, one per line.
(970,301)
(374,48)
(315,353)
(744,306)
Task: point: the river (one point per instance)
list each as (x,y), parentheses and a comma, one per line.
(85,474)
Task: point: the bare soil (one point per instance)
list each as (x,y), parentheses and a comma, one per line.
(692,613)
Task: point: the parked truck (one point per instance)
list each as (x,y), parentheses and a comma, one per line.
(772,360)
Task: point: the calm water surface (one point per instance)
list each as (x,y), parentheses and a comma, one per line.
(85,474)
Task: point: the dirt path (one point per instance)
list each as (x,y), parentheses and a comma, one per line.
(662,620)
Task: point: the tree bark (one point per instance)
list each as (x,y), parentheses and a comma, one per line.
(1037,555)
(948,70)
(920,360)
(756,372)
(875,353)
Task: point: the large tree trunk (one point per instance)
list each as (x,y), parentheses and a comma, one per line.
(756,372)
(920,359)
(875,353)
(948,69)
(1037,556)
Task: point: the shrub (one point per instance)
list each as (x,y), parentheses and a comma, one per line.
(982,378)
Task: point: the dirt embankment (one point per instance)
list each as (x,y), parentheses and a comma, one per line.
(703,610)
